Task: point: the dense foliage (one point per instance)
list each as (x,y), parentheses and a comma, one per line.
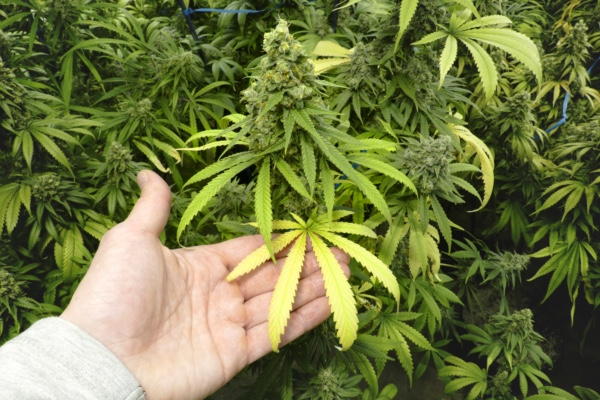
(450,147)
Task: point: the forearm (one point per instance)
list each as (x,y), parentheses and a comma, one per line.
(54,359)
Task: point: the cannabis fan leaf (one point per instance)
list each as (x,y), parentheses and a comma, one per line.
(338,290)
(461,28)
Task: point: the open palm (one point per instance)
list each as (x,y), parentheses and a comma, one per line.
(170,316)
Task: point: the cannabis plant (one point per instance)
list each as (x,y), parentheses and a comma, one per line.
(289,129)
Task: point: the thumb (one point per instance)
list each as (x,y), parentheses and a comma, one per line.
(151,211)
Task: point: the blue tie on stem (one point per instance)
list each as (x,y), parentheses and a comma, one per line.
(564,118)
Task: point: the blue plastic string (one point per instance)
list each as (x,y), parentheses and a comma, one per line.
(190,11)
(564,118)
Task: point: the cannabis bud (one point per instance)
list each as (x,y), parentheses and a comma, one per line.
(9,287)
(427,162)
(286,70)
(576,42)
(518,323)
(137,109)
(508,261)
(518,106)
(119,158)
(45,186)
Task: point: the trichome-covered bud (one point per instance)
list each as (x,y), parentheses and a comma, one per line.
(45,187)
(427,162)
(119,158)
(9,286)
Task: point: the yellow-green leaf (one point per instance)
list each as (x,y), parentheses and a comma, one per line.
(260,255)
(285,292)
(485,66)
(339,292)
(152,157)
(417,252)
(373,264)
(327,48)
(486,159)
(448,57)
(351,228)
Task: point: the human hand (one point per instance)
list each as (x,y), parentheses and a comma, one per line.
(170,316)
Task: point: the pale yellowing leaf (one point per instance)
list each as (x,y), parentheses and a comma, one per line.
(151,156)
(327,64)
(327,48)
(285,225)
(486,159)
(485,66)
(285,292)
(350,228)
(374,265)
(260,255)
(339,293)
(448,57)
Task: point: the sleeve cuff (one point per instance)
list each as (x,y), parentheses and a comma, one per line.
(55,359)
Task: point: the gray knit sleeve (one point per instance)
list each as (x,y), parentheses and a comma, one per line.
(55,359)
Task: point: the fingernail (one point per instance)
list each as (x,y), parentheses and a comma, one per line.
(142,178)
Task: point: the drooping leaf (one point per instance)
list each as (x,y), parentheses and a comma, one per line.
(262,203)
(383,168)
(327,48)
(152,157)
(309,163)
(417,252)
(220,166)
(207,193)
(363,183)
(397,231)
(291,177)
(441,219)
(407,12)
(328,187)
(67,77)
(514,43)
(53,149)
(350,228)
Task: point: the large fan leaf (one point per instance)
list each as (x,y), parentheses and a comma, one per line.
(514,43)
(383,168)
(291,177)
(207,193)
(363,183)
